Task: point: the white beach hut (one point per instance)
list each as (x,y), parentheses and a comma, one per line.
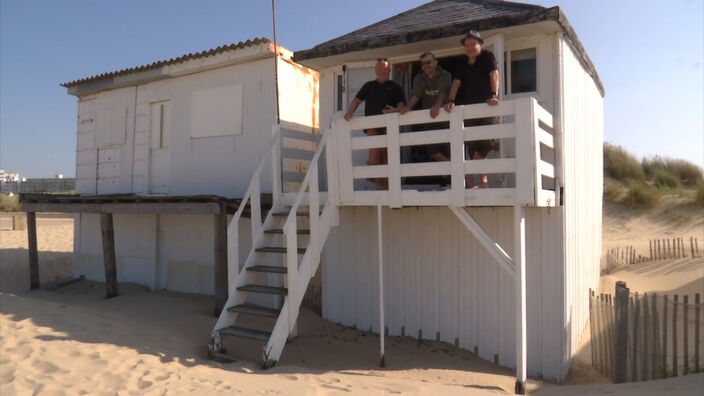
(503,271)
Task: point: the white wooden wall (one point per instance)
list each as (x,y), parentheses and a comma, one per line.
(173,252)
(439,279)
(582,143)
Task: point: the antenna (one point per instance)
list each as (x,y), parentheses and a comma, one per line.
(276,62)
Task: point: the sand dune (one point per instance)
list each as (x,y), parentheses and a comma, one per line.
(74,341)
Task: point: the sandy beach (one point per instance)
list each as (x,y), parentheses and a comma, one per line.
(71,340)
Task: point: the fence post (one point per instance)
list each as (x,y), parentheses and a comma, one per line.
(645,353)
(696,332)
(674,336)
(650,244)
(664,335)
(654,358)
(685,334)
(691,245)
(621,332)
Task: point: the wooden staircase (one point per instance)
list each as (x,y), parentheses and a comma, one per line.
(285,255)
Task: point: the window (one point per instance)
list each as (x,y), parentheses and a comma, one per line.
(522,67)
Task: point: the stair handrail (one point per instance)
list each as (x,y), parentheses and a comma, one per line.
(252,194)
(290,228)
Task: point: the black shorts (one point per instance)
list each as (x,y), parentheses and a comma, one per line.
(480,146)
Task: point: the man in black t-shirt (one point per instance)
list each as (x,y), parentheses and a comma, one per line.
(475,80)
(381,96)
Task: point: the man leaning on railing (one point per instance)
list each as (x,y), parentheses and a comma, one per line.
(476,80)
(382,96)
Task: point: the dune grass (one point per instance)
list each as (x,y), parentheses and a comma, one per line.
(9,203)
(642,184)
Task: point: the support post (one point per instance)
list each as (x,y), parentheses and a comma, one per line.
(519,262)
(382,361)
(621,333)
(220,247)
(109,254)
(33,252)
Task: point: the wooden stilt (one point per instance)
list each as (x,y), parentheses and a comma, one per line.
(33,252)
(220,270)
(382,361)
(109,254)
(520,267)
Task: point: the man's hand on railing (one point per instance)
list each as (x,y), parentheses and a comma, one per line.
(348,116)
(390,109)
(493,101)
(449,106)
(434,111)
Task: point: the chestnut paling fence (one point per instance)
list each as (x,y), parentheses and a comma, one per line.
(639,337)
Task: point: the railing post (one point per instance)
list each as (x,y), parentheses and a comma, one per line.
(314,217)
(344,151)
(233,254)
(255,209)
(292,273)
(276,181)
(525,152)
(332,172)
(457,161)
(394,159)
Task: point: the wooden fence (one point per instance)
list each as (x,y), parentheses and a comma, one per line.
(643,337)
(659,249)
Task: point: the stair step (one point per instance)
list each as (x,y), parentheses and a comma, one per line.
(277,249)
(268,268)
(285,213)
(246,333)
(281,231)
(255,310)
(264,289)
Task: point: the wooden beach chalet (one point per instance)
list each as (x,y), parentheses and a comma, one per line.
(503,271)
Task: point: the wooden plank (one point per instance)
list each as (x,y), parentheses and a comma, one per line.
(32,250)
(685,334)
(109,261)
(424,137)
(655,356)
(220,269)
(697,306)
(493,165)
(636,338)
(297,135)
(457,159)
(493,131)
(299,154)
(124,208)
(344,163)
(664,334)
(525,160)
(367,142)
(621,332)
(645,359)
(674,336)
(425,169)
(394,160)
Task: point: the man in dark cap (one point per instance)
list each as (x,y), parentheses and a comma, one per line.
(475,80)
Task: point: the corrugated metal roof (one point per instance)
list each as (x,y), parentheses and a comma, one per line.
(409,26)
(158,64)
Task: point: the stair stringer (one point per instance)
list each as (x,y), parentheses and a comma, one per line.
(297,287)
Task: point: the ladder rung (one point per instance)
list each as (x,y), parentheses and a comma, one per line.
(255,310)
(277,249)
(281,231)
(264,289)
(246,333)
(268,268)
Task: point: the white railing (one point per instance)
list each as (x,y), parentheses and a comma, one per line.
(530,129)
(300,273)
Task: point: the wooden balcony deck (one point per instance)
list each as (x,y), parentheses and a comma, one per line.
(523,173)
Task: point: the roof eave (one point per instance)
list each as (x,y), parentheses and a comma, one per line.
(549,14)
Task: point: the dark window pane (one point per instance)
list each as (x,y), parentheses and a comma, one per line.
(523,71)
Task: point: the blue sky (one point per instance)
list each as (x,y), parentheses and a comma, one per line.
(649,54)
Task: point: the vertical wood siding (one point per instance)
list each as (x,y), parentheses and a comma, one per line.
(582,132)
(439,279)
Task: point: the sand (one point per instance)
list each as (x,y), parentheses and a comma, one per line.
(72,340)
